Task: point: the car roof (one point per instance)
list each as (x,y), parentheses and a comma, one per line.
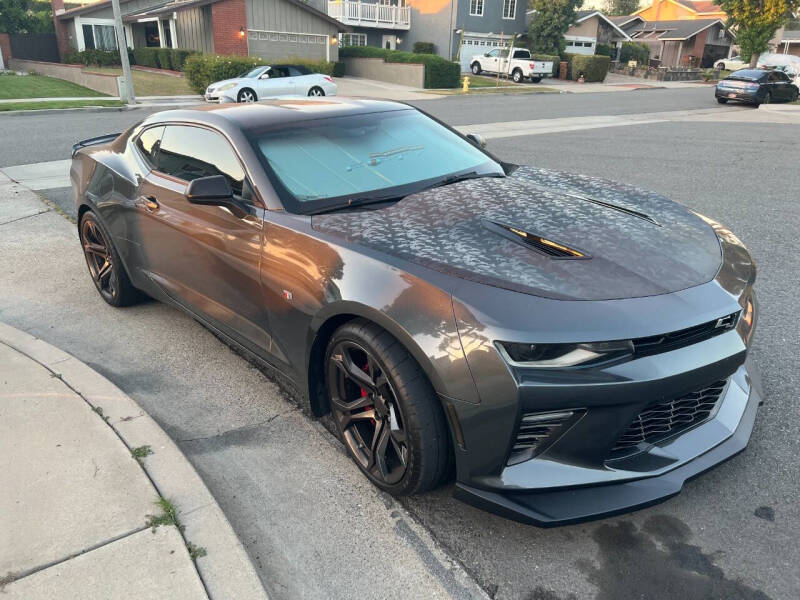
(277,111)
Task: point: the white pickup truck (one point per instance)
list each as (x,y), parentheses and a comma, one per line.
(520,67)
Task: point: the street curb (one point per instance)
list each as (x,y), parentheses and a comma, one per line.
(226,570)
(94,109)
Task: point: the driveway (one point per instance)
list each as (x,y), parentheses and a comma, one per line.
(315,529)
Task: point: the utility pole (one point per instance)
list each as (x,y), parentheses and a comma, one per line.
(122,44)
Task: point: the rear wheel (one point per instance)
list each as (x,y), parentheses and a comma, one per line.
(385,409)
(536,79)
(721,66)
(517,75)
(722,100)
(104,264)
(767,99)
(246,95)
(316,91)
(476,68)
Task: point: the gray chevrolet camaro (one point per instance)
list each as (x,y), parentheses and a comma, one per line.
(565,347)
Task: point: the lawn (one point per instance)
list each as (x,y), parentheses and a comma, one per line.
(482,81)
(150,84)
(38,86)
(5,106)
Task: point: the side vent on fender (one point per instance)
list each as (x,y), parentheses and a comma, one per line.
(536,242)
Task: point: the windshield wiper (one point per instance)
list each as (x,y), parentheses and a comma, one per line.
(360,201)
(461,177)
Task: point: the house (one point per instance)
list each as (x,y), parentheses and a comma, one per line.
(679,10)
(682,42)
(787,39)
(457,28)
(271,29)
(591,28)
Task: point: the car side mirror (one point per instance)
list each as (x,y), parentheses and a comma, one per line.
(264,76)
(214,190)
(477,139)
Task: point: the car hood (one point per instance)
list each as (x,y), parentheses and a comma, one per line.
(541,232)
(217,84)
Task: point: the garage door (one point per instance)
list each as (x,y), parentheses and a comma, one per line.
(472,46)
(280,45)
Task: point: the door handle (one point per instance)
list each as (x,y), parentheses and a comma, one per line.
(150,203)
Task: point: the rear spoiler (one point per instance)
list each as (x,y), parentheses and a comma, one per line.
(103,139)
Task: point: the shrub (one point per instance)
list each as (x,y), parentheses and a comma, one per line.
(165,58)
(179,56)
(424,48)
(604,50)
(146,57)
(637,51)
(315,66)
(204,69)
(99,58)
(439,72)
(338,69)
(594,68)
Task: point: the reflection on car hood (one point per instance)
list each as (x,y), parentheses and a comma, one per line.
(551,234)
(217,84)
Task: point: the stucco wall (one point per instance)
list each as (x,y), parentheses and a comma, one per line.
(106,84)
(375,68)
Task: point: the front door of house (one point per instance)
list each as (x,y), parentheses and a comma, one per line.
(389,42)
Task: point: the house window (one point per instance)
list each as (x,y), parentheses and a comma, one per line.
(509,9)
(354,39)
(476,8)
(99,37)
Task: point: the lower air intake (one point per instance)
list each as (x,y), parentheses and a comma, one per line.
(535,430)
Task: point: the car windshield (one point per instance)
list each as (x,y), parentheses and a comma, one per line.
(336,161)
(252,73)
(747,75)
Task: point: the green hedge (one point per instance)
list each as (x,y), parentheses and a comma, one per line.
(204,69)
(165,58)
(594,68)
(424,48)
(99,58)
(637,51)
(158,58)
(439,72)
(604,50)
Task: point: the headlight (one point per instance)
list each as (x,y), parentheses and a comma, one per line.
(227,86)
(554,356)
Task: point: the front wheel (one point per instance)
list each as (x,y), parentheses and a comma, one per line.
(721,66)
(246,95)
(722,100)
(476,68)
(316,91)
(386,411)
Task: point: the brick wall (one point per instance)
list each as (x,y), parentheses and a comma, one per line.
(227,19)
(5,49)
(62,30)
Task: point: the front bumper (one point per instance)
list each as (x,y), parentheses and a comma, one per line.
(616,490)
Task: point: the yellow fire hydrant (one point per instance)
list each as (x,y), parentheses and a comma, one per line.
(465,85)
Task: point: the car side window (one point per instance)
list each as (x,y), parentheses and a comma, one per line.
(278,72)
(494,53)
(294,72)
(189,153)
(148,143)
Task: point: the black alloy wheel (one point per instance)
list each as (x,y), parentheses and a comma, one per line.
(385,410)
(105,267)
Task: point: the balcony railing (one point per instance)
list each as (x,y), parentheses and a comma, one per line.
(384,16)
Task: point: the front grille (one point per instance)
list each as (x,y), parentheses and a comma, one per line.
(670,417)
(534,430)
(677,339)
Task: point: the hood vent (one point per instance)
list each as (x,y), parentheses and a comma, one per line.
(548,247)
(617,207)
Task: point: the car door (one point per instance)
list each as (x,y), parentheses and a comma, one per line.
(204,257)
(300,82)
(275,81)
(492,59)
(783,86)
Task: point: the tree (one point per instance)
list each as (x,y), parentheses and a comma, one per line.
(621,7)
(755,23)
(549,24)
(26,16)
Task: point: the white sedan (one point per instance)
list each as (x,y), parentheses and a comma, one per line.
(270,82)
(734,63)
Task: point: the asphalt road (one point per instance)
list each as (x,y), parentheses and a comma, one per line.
(731,534)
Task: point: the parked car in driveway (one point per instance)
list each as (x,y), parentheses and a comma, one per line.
(756,86)
(271,82)
(519,67)
(564,347)
(732,64)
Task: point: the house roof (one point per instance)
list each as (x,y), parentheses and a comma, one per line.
(585,15)
(674,30)
(176,5)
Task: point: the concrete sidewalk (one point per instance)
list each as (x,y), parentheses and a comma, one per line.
(143,100)
(84,474)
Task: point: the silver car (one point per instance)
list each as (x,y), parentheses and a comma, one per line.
(271,82)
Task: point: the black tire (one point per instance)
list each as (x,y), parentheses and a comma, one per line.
(721,66)
(794,97)
(247,95)
(535,79)
(401,407)
(316,91)
(105,267)
(476,68)
(722,100)
(767,99)
(517,76)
